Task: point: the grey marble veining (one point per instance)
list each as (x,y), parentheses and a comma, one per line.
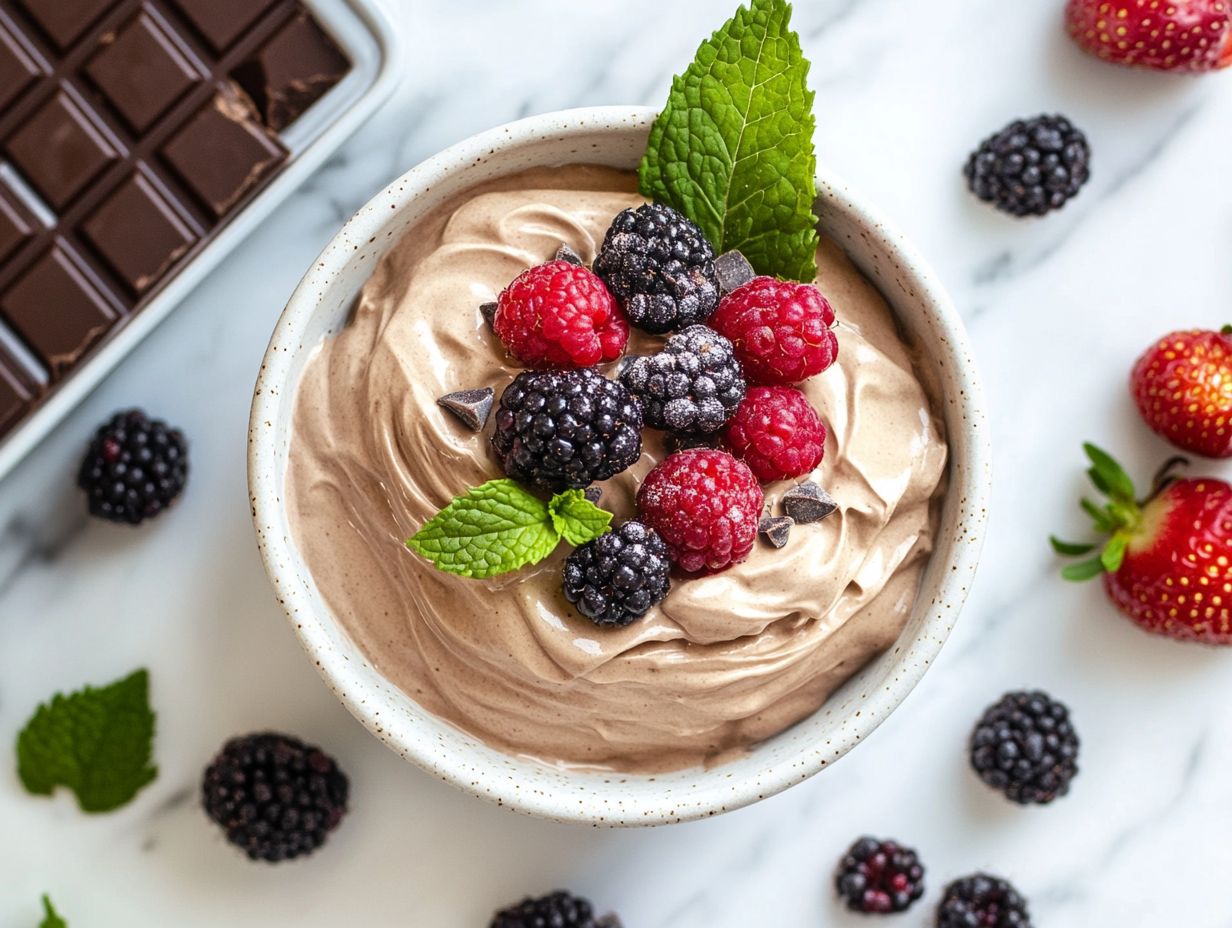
(1058,311)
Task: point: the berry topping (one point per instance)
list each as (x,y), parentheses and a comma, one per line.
(706,505)
(1168,562)
(1031,167)
(559,429)
(982,901)
(560,315)
(556,910)
(777,433)
(618,577)
(1183,388)
(135,468)
(691,387)
(780,330)
(274,796)
(879,877)
(660,267)
(1180,35)
(808,503)
(1026,747)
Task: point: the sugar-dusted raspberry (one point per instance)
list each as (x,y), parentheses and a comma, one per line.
(705,504)
(781,330)
(560,315)
(777,433)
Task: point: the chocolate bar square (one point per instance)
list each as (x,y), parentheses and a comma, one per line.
(17,68)
(221,22)
(141,71)
(16,224)
(60,149)
(138,233)
(57,310)
(65,20)
(17,390)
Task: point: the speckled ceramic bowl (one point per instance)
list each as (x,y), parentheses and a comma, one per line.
(613,136)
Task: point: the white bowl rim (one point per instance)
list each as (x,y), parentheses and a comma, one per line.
(973,481)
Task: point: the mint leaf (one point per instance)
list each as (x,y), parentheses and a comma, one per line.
(493,529)
(578,519)
(51,918)
(733,148)
(96,742)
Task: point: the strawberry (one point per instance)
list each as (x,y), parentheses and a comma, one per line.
(1183,388)
(1168,562)
(1188,36)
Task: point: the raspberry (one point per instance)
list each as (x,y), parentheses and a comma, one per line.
(781,330)
(1031,167)
(660,267)
(880,877)
(560,315)
(982,901)
(136,467)
(691,387)
(559,429)
(777,433)
(616,578)
(706,505)
(1025,746)
(275,797)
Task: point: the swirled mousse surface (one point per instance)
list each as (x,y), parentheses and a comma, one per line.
(725,661)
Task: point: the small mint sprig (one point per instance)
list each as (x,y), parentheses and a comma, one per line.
(499,527)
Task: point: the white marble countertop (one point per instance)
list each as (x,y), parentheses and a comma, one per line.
(1058,311)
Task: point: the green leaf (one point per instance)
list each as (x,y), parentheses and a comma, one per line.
(1083,570)
(1103,521)
(1114,553)
(51,918)
(1112,478)
(1070,549)
(578,519)
(495,528)
(733,147)
(96,742)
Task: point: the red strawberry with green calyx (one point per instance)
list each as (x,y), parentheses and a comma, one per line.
(1167,562)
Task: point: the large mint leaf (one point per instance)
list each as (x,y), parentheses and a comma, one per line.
(493,529)
(96,742)
(733,148)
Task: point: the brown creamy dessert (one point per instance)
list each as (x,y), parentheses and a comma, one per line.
(725,661)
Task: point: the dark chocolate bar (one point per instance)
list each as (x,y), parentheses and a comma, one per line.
(131,133)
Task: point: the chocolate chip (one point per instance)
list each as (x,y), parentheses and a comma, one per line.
(733,270)
(775,529)
(565,253)
(808,503)
(488,310)
(471,406)
(594,494)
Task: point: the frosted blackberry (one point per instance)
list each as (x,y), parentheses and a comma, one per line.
(660,267)
(616,578)
(1031,167)
(1026,747)
(275,797)
(557,429)
(135,468)
(879,877)
(982,901)
(555,910)
(692,386)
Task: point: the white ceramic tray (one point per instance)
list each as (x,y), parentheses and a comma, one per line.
(367,35)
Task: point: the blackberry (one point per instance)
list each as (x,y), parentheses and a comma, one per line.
(1031,167)
(880,877)
(274,796)
(555,910)
(559,429)
(692,386)
(982,901)
(135,468)
(660,267)
(1026,747)
(616,578)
